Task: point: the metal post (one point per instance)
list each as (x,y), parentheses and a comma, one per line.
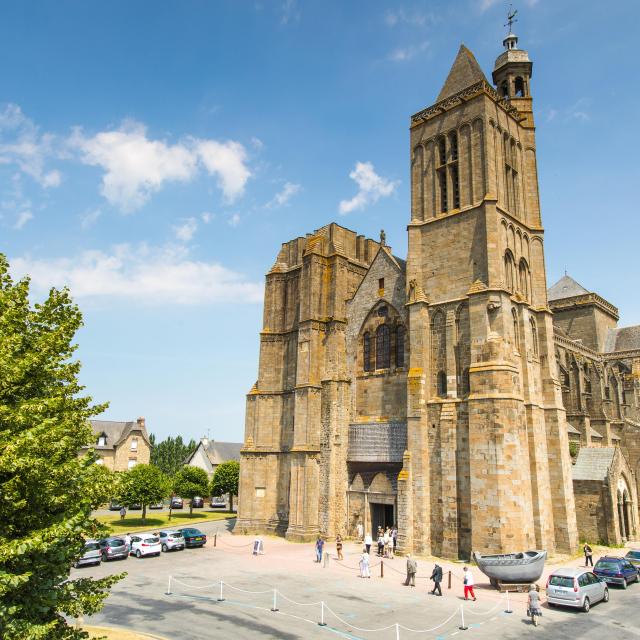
(322,623)
(508,609)
(382,568)
(326,559)
(463,626)
(221,598)
(275,601)
(169,587)
(215,538)
(449,578)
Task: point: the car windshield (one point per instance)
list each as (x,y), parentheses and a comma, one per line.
(152,540)
(92,546)
(116,542)
(561,581)
(607,565)
(175,534)
(635,555)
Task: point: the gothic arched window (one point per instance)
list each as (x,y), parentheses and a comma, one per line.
(399,346)
(534,336)
(587,379)
(366,351)
(509,270)
(442,384)
(383,351)
(519,87)
(516,329)
(525,279)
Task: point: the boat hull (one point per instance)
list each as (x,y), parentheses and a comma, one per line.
(515,567)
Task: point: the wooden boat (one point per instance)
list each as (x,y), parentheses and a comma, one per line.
(526,566)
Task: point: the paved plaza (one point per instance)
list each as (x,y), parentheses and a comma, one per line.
(192,610)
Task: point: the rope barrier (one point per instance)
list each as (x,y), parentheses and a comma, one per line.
(353,626)
(235,546)
(486,613)
(432,628)
(245,591)
(300,604)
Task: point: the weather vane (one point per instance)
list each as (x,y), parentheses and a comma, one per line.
(511,17)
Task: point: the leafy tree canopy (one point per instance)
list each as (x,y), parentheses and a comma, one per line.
(190,482)
(47,491)
(144,484)
(225,479)
(171,453)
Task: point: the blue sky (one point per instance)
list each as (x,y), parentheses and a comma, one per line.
(154,155)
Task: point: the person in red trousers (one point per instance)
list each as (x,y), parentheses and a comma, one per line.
(468,584)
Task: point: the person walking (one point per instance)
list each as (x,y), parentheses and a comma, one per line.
(468,584)
(534,610)
(319,547)
(386,538)
(380,543)
(339,547)
(368,541)
(588,555)
(436,576)
(412,568)
(394,535)
(123,512)
(365,568)
(127,541)
(391,547)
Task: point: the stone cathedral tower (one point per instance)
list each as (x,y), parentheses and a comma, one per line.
(422,393)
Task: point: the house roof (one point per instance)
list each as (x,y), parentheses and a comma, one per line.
(566,287)
(623,339)
(465,72)
(115,431)
(593,463)
(218,452)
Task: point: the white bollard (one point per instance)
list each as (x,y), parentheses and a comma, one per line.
(169,587)
(221,598)
(508,609)
(463,626)
(322,623)
(275,601)
(397,631)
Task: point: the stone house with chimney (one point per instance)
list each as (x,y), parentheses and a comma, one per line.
(120,445)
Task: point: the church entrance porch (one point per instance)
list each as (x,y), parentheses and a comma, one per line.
(382,515)
(372,500)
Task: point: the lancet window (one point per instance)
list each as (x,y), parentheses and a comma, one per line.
(383,351)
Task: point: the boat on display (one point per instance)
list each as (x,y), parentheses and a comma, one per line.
(526,566)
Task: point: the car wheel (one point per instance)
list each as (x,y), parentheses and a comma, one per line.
(605,597)
(551,604)
(586,605)
(164,548)
(138,554)
(624,583)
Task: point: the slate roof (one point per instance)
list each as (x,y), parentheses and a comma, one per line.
(464,72)
(623,339)
(566,287)
(593,463)
(572,429)
(115,431)
(218,452)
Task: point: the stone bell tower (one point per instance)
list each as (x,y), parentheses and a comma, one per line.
(487,464)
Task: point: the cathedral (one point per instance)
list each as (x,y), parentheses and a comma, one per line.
(450,393)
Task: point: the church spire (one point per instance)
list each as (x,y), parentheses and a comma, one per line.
(465,71)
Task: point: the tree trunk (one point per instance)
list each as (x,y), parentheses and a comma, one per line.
(191,507)
(231,503)
(144,513)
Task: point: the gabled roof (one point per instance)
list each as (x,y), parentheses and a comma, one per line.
(623,339)
(593,463)
(218,452)
(115,431)
(572,429)
(566,287)
(464,72)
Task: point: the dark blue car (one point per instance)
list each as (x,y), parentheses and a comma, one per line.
(616,571)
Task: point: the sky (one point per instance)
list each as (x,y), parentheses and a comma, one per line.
(154,156)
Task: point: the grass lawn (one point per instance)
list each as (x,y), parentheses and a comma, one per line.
(157,521)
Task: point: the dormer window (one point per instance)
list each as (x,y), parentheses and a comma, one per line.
(102,440)
(134,444)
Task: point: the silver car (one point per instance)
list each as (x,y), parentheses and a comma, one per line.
(90,554)
(171,540)
(579,588)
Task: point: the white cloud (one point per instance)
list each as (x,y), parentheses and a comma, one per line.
(402,54)
(186,231)
(234,220)
(140,274)
(227,160)
(207,216)
(257,144)
(136,166)
(89,218)
(371,187)
(289,12)
(22,144)
(487,4)
(23,218)
(400,16)
(284,195)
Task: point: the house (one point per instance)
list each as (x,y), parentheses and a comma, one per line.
(209,454)
(120,445)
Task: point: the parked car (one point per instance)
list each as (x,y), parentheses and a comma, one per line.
(135,507)
(114,505)
(113,548)
(193,537)
(90,554)
(157,505)
(171,540)
(177,503)
(197,502)
(218,502)
(616,570)
(634,558)
(144,544)
(579,587)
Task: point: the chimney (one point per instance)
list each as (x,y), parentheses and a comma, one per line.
(205,441)
(140,422)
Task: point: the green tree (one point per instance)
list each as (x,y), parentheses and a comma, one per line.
(225,479)
(171,453)
(144,484)
(47,491)
(190,482)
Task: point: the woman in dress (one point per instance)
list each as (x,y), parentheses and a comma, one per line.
(339,546)
(365,571)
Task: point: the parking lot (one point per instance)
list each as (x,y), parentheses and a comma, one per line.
(192,610)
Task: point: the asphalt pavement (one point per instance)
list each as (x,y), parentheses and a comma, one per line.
(352,606)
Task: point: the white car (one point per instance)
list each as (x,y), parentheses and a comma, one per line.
(170,540)
(144,544)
